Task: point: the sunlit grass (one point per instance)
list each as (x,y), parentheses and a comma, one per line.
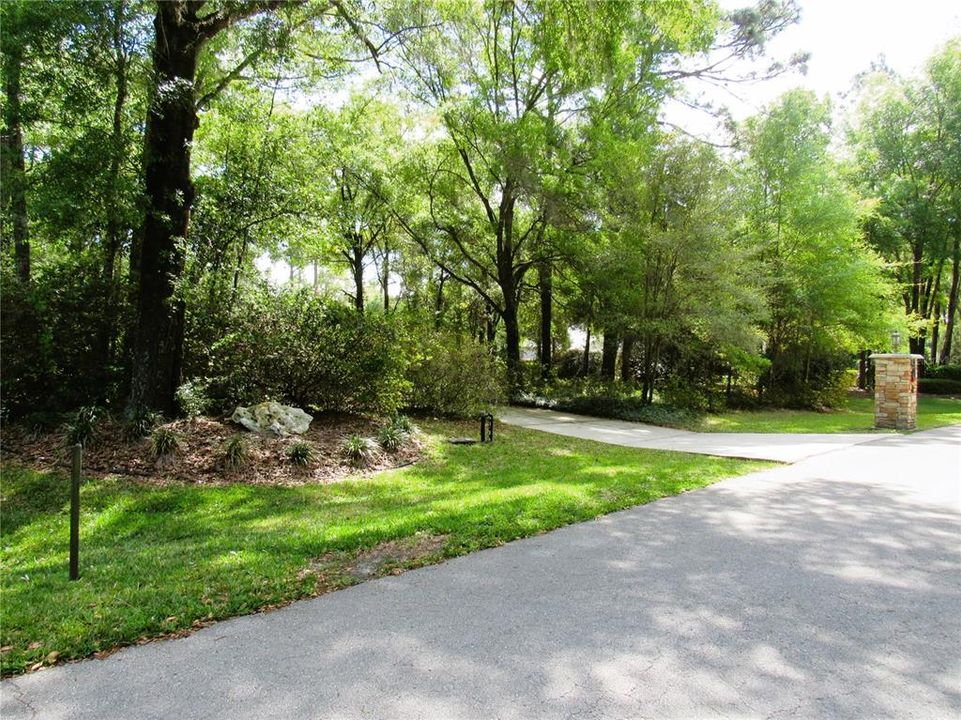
(857,415)
(157,560)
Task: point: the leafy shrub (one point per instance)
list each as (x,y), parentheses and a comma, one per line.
(404,424)
(569,364)
(59,342)
(40,423)
(83,429)
(300,453)
(163,442)
(139,423)
(679,392)
(939,386)
(303,350)
(606,399)
(455,376)
(943,372)
(235,453)
(359,450)
(192,399)
(391,438)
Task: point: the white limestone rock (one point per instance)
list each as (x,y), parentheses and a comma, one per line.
(272,417)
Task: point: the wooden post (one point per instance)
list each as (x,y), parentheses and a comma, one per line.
(76,451)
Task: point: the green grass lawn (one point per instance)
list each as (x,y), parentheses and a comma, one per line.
(856,416)
(156,560)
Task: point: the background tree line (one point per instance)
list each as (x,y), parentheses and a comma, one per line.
(453,187)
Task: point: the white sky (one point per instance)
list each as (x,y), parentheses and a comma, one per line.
(844,37)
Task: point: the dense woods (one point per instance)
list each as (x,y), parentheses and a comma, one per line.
(440,205)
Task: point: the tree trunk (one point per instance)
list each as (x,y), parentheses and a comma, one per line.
(935,329)
(114,226)
(586,368)
(171,120)
(545,287)
(627,371)
(609,355)
(386,279)
(14,167)
(439,300)
(357,270)
(512,337)
(952,296)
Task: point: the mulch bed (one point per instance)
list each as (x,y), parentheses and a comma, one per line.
(198,458)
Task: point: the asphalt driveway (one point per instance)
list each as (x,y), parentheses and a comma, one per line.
(830,588)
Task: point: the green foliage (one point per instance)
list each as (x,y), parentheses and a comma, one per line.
(235,453)
(300,453)
(82,430)
(606,399)
(163,442)
(939,386)
(139,423)
(454,376)
(192,399)
(304,350)
(358,450)
(944,372)
(404,424)
(391,438)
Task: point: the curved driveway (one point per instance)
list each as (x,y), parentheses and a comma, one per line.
(782,447)
(826,589)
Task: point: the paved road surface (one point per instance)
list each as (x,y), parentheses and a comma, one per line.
(830,588)
(782,447)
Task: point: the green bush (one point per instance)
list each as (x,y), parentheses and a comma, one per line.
(83,429)
(303,350)
(939,386)
(192,399)
(605,399)
(235,453)
(454,376)
(391,438)
(359,450)
(139,423)
(300,453)
(163,442)
(943,372)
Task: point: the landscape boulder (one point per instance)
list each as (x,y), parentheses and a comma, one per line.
(273,417)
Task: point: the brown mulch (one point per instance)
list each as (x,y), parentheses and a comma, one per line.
(198,458)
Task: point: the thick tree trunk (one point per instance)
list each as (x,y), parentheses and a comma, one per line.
(512,338)
(171,120)
(14,167)
(627,350)
(609,355)
(179,36)
(952,296)
(546,290)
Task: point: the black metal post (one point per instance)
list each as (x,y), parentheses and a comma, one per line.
(490,427)
(483,427)
(75,513)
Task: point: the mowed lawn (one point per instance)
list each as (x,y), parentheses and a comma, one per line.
(856,416)
(157,560)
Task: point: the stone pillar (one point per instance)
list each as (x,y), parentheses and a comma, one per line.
(895,390)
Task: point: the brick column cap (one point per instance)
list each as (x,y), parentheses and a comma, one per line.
(879,356)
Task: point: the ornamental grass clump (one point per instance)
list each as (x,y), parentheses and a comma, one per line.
(235,454)
(163,442)
(358,450)
(300,454)
(391,438)
(83,429)
(140,423)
